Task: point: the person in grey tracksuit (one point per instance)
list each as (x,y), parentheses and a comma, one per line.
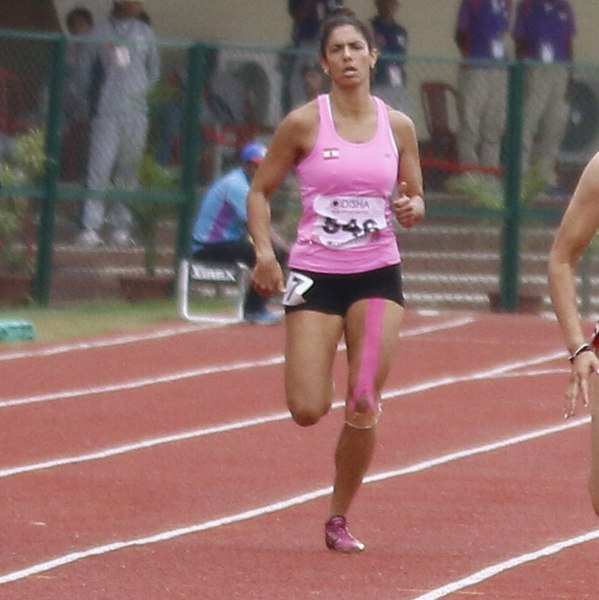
(118,71)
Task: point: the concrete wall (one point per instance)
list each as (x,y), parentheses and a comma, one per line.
(429,22)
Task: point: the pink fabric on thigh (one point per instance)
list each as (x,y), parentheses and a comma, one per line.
(369,362)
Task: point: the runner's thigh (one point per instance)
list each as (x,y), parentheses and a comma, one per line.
(311,346)
(355,336)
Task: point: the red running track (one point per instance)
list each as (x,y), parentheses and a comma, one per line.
(164,465)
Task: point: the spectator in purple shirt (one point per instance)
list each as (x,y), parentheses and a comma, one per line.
(481,29)
(543,32)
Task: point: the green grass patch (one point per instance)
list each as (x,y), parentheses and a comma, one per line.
(103,317)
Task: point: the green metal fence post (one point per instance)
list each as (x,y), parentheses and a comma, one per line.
(190,145)
(510,251)
(45,236)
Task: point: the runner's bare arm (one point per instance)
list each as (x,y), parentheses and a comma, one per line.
(409,206)
(578,226)
(291,140)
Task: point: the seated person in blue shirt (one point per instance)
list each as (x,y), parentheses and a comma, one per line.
(220,230)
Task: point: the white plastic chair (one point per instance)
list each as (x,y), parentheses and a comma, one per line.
(194,271)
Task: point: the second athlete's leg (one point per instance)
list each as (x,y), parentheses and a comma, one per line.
(594,470)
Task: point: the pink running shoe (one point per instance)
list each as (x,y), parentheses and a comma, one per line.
(338,538)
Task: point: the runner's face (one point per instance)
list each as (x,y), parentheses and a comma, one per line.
(347,56)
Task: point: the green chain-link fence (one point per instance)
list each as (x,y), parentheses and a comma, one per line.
(487,233)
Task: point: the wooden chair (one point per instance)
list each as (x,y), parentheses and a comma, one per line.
(440,153)
(12,104)
(439,102)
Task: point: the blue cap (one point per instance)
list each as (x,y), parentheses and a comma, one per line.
(253,152)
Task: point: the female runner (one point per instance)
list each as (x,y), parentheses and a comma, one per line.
(357,164)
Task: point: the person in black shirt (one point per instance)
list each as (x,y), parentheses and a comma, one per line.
(307,16)
(391,39)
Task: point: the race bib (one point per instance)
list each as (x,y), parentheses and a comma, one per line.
(297,285)
(498,49)
(547,54)
(395,78)
(344,220)
(123,58)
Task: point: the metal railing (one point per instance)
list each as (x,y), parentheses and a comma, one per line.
(211,99)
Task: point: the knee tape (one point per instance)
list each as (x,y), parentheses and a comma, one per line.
(362,409)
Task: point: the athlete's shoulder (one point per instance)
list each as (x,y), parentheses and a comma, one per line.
(399,119)
(305,115)
(295,134)
(299,122)
(403,129)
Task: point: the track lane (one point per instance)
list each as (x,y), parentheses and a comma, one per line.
(522,345)
(139,487)
(79,419)
(479,530)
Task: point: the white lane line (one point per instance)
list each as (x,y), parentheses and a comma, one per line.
(506,565)
(99,343)
(142,445)
(434,327)
(490,447)
(276,506)
(143,382)
(178,376)
(226,427)
(474,376)
(182,329)
(538,373)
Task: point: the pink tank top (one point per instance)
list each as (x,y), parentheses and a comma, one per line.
(346,190)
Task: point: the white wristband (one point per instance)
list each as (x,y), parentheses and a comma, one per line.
(582,348)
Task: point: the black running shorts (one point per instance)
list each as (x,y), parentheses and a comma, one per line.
(334,293)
